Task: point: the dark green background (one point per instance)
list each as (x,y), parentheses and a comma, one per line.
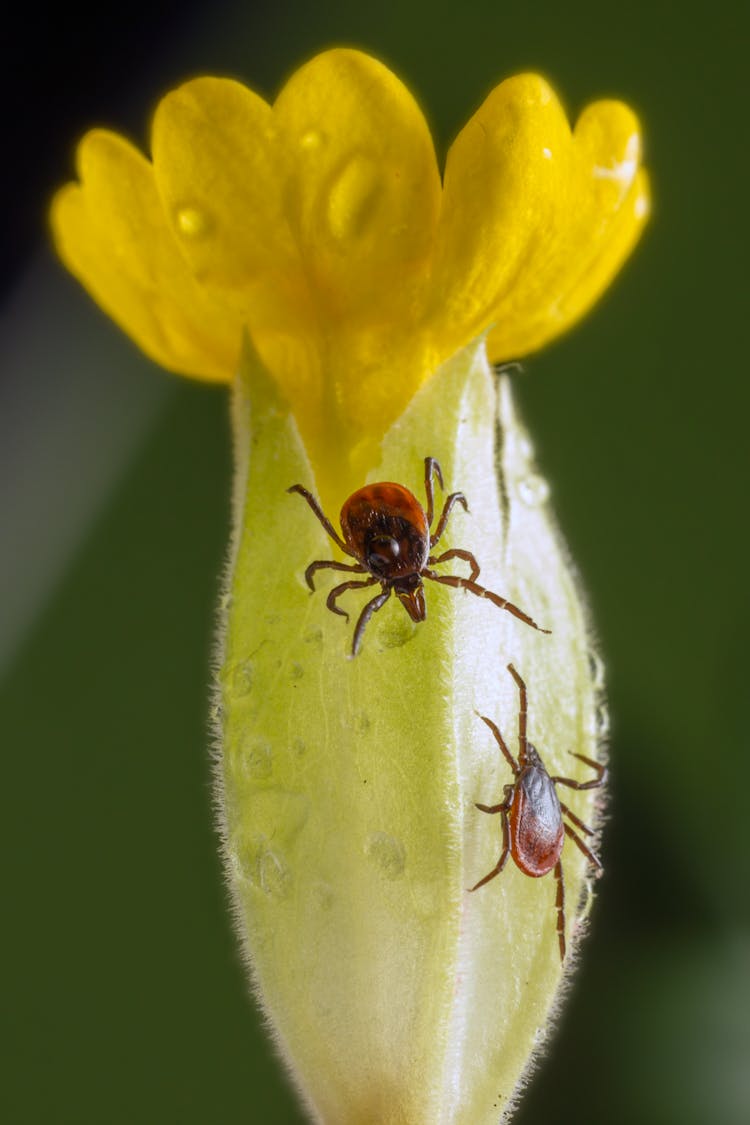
(124,991)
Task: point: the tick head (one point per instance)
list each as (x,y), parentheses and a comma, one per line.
(410,593)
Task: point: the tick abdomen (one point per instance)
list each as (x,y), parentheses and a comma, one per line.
(386,527)
(536,824)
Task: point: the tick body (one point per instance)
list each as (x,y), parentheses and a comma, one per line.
(387,533)
(533,816)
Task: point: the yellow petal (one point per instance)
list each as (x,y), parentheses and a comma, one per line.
(363,190)
(602,214)
(111,234)
(220,175)
(551,218)
(500,198)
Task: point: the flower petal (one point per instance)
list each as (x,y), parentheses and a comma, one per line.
(605,207)
(364,191)
(556,215)
(111,234)
(500,197)
(220,174)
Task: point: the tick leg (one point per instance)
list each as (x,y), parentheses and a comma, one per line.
(337,591)
(474,588)
(453,499)
(576,820)
(501,743)
(371,607)
(503,856)
(323,519)
(601,775)
(560,904)
(456,553)
(593,859)
(321,565)
(522,710)
(431,468)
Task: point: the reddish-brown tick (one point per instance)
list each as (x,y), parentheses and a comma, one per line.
(532,814)
(387,531)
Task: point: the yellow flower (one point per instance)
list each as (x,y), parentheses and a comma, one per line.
(320,224)
(309,254)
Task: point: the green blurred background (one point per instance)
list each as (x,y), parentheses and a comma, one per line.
(124,994)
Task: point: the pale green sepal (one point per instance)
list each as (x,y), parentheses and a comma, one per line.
(347,786)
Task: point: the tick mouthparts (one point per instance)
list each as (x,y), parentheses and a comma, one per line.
(413,602)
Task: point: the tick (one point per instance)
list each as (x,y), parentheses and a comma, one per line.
(388,532)
(534,828)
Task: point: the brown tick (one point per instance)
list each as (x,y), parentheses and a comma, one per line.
(387,531)
(532,814)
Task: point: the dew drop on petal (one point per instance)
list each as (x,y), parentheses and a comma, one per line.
(311,140)
(533,490)
(264,868)
(257,759)
(387,852)
(525,447)
(353,198)
(192,222)
(313,635)
(394,631)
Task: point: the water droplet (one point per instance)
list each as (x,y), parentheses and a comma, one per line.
(353,198)
(273,873)
(533,490)
(257,759)
(311,140)
(192,222)
(525,447)
(395,631)
(264,868)
(547,153)
(387,852)
(596,668)
(242,678)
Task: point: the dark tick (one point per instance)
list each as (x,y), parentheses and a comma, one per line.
(388,532)
(532,814)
